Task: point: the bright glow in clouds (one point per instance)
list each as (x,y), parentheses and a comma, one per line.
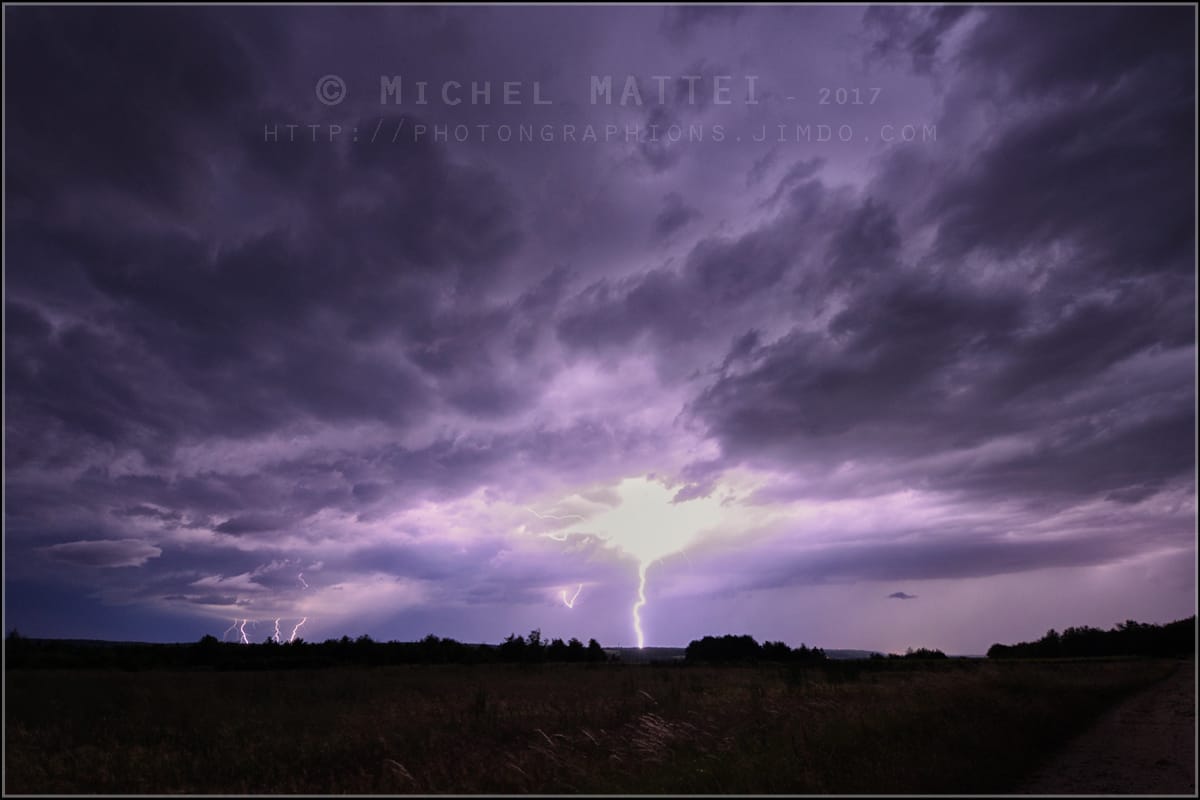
(647,525)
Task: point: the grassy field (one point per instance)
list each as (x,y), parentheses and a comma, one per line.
(958,726)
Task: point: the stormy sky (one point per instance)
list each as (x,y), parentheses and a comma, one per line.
(854,326)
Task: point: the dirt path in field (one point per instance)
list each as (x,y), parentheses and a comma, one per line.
(1145,745)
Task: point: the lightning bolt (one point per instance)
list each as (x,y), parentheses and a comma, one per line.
(558,537)
(571,603)
(552,516)
(276,631)
(641,601)
(228,630)
(292,638)
(242,630)
(300,577)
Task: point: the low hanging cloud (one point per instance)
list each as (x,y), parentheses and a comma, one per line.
(105,552)
(902,596)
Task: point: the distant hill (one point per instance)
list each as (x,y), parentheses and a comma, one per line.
(634,655)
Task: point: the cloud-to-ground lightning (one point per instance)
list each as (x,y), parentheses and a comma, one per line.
(571,603)
(229,630)
(637,607)
(649,525)
(292,638)
(242,630)
(276,637)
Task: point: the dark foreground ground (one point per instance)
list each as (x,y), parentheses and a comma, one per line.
(956,726)
(1146,744)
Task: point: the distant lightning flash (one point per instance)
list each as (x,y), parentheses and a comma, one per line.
(276,631)
(558,537)
(292,638)
(571,603)
(553,516)
(229,630)
(303,582)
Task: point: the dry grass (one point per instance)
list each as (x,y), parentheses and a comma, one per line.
(561,728)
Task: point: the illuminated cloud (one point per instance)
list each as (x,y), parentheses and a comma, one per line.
(414,386)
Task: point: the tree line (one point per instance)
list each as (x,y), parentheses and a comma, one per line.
(1128,638)
(211,653)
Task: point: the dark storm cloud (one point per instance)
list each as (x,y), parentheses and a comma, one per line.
(277,325)
(797,174)
(943,356)
(721,278)
(1095,161)
(1055,51)
(878,377)
(206,599)
(89,112)
(1078,175)
(914,30)
(449,468)
(901,596)
(1133,494)
(230,359)
(914,369)
(674,215)
(938,551)
(146,511)
(256,338)
(867,246)
(680,22)
(252,523)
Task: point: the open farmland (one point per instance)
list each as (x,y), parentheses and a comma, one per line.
(848,727)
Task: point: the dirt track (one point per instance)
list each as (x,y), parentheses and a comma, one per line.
(1145,745)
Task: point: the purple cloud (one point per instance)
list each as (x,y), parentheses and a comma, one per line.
(755,377)
(104,552)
